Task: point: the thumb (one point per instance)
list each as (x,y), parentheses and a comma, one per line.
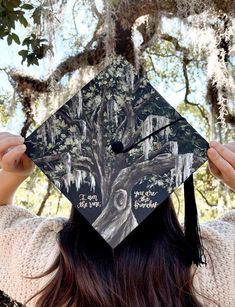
(10,160)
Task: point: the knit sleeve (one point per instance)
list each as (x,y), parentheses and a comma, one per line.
(13,217)
(217,280)
(225,225)
(28,246)
(221,232)
(21,230)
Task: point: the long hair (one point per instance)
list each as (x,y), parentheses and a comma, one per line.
(148,269)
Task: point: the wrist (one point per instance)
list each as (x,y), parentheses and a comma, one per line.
(9,183)
(15,177)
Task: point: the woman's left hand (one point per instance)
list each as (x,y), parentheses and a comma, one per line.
(12,155)
(222,162)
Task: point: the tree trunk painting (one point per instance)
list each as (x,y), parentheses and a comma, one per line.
(73,148)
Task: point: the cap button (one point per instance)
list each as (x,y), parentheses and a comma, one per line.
(117,147)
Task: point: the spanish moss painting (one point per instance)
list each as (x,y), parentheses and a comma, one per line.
(114,191)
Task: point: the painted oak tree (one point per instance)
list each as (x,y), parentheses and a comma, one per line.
(73,148)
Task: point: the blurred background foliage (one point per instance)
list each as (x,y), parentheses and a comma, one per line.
(51,48)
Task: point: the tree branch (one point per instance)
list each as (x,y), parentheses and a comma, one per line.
(87,58)
(154,153)
(185,62)
(130,125)
(83,163)
(206,200)
(129,11)
(58,203)
(27,108)
(46,196)
(132,174)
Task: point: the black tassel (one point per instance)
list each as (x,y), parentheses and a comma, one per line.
(195,251)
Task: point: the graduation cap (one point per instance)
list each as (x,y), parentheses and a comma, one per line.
(117,150)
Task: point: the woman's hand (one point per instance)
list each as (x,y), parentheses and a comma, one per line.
(12,156)
(222,162)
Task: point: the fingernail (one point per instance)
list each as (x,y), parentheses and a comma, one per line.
(212,152)
(213,144)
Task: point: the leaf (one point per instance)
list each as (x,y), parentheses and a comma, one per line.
(9,39)
(31,59)
(37,15)
(34,45)
(13,23)
(15,37)
(43,40)
(16,3)
(8,5)
(24,54)
(23,21)
(2,32)
(9,21)
(35,61)
(42,51)
(19,12)
(27,6)
(5,33)
(26,41)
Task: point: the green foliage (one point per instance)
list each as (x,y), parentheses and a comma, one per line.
(194,116)
(13,12)
(36,49)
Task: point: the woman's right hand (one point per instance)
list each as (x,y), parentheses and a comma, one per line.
(12,156)
(222,162)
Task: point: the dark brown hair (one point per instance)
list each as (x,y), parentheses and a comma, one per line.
(148,269)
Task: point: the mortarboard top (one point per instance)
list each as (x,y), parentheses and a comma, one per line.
(117,150)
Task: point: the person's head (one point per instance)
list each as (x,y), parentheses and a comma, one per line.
(149,268)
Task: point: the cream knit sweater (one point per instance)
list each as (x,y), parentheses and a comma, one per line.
(28,247)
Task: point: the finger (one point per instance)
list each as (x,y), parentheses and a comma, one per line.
(7,134)
(213,169)
(9,141)
(11,159)
(227,171)
(224,152)
(231,146)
